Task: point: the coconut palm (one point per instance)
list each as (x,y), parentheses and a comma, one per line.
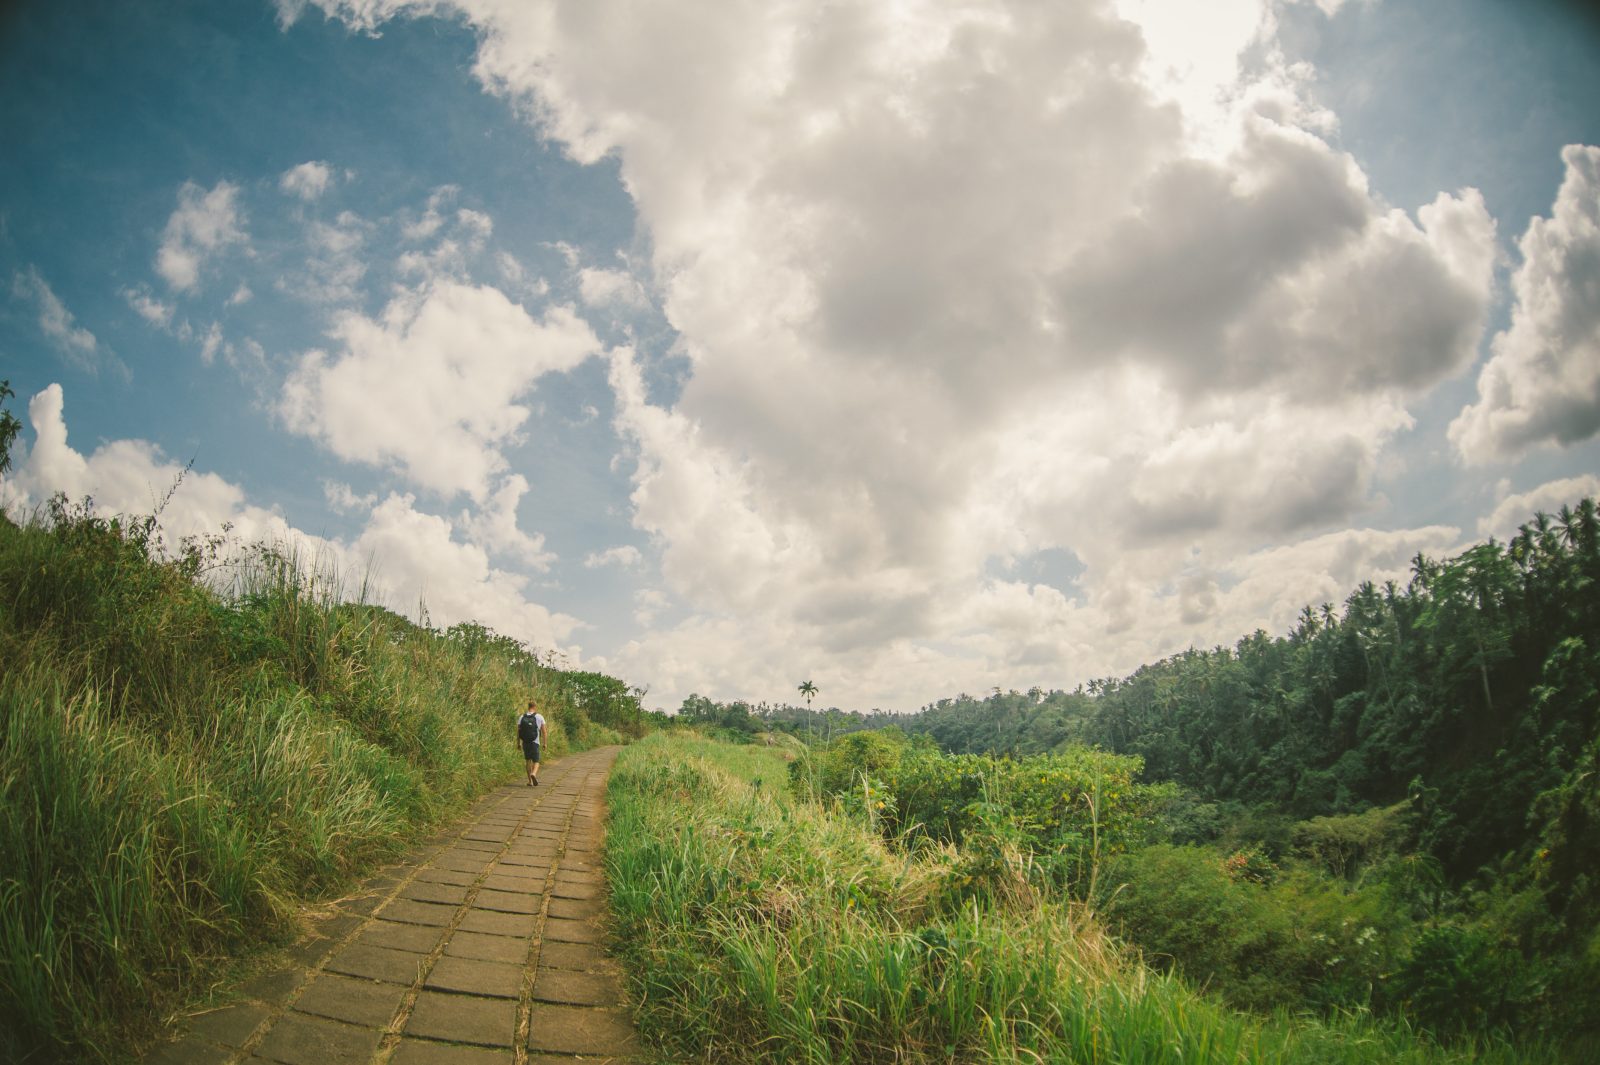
(809,690)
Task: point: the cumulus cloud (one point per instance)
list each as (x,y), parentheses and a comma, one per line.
(1517,508)
(431,387)
(962,281)
(204,224)
(413,560)
(308,181)
(1541,385)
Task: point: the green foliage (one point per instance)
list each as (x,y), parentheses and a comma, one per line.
(1264,939)
(10,426)
(1344,845)
(1064,811)
(759,930)
(192,744)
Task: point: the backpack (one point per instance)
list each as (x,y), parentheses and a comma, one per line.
(528,728)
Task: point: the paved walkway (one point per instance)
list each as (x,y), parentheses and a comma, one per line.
(484,948)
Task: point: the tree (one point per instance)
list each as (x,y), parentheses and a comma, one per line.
(809,690)
(9,426)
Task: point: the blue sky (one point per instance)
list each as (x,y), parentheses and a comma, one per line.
(909,349)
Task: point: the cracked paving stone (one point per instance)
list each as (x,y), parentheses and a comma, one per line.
(508,901)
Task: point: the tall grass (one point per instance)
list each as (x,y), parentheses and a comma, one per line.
(758,928)
(190,747)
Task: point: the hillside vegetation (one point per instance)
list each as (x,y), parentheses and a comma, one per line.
(1394,807)
(193,743)
(759,927)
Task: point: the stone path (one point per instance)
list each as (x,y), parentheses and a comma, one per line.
(483,949)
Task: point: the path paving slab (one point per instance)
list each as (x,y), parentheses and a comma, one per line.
(421,890)
(576,989)
(424,1052)
(298,1039)
(439,875)
(472,976)
(561,890)
(508,901)
(483,947)
(343,998)
(579,957)
(417,938)
(563,931)
(377,963)
(495,923)
(410,911)
(580,1030)
(464,1019)
(232,1025)
(576,909)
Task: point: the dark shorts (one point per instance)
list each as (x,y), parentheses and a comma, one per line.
(530,750)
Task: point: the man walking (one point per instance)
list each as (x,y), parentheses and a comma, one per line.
(530,730)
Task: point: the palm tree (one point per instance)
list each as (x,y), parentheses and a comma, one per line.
(809,690)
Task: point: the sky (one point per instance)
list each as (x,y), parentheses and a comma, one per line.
(909,347)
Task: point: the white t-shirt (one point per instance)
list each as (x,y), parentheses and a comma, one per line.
(538,719)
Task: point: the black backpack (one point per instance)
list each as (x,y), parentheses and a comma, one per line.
(528,728)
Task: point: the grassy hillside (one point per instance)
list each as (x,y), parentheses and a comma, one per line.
(191,747)
(759,927)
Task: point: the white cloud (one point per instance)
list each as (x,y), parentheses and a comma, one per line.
(241,295)
(610,288)
(1515,509)
(308,181)
(495,527)
(335,266)
(431,388)
(148,307)
(417,559)
(1541,386)
(75,343)
(204,224)
(342,498)
(967,281)
(625,556)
